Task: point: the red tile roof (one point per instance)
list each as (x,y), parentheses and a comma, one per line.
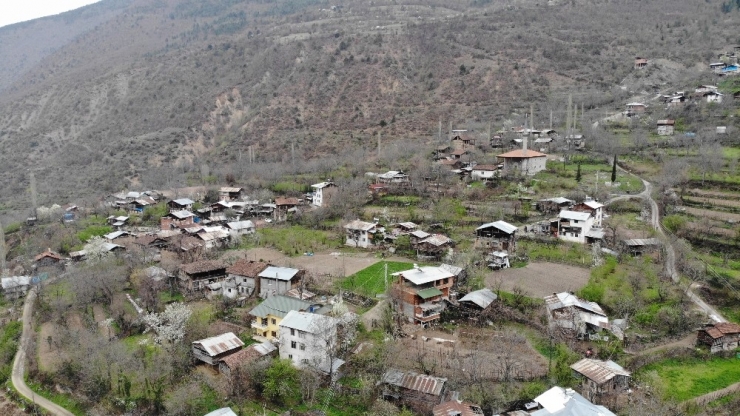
(248,268)
(522,154)
(721,329)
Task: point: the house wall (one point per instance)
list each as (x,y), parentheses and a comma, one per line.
(526,166)
(358,239)
(311,350)
(244,282)
(268,287)
(483,174)
(268,330)
(576,232)
(665,130)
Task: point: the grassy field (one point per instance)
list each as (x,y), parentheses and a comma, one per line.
(688,378)
(558,252)
(371,281)
(296,240)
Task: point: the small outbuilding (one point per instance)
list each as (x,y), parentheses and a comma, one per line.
(211,350)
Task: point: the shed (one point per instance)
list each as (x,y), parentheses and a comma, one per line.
(211,350)
(481,298)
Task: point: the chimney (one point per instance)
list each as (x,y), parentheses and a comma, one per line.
(524,145)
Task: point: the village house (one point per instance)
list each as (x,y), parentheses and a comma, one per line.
(497,235)
(213,237)
(278,280)
(577,316)
(245,275)
(241,227)
(553,205)
(361,233)
(706,88)
(48,258)
(576,226)
(434,246)
(253,353)
(462,139)
(640,62)
(419,392)
(722,336)
(310,341)
(405,228)
(498,260)
(484,172)
(566,402)
(675,100)
(211,350)
(139,205)
(457,408)
(458,154)
(717,66)
(182,204)
(420,293)
(107,247)
(393,177)
(323,193)
(666,127)
(268,314)
(119,235)
(196,276)
(640,246)
(230,193)
(713,97)
(284,207)
(15,287)
(417,236)
(596,209)
(635,108)
(523,161)
(118,222)
(600,378)
(177,219)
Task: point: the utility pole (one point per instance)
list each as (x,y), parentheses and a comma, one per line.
(34,198)
(2,250)
(551,119)
(439,130)
(378,145)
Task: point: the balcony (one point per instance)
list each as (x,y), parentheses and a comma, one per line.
(428,317)
(256,324)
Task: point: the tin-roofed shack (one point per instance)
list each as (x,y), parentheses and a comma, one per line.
(600,378)
(254,352)
(420,392)
(722,336)
(211,350)
(497,235)
(640,246)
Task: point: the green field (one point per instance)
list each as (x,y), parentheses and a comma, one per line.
(685,379)
(371,280)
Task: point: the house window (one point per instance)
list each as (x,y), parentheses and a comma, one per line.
(303,347)
(292,344)
(292,332)
(304,361)
(301,334)
(264,321)
(274,334)
(273,321)
(290,356)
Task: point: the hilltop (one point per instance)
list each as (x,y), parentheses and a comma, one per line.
(133,93)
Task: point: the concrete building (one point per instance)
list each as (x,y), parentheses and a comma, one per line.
(278,280)
(310,341)
(420,293)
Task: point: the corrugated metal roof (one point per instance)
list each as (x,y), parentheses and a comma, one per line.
(457,408)
(721,329)
(280,273)
(637,242)
(599,371)
(249,354)
(322,185)
(482,298)
(184,201)
(429,292)
(426,274)
(181,215)
(308,322)
(574,215)
(220,343)
(202,266)
(593,204)
(225,411)
(15,281)
(437,240)
(566,402)
(360,225)
(565,299)
(501,225)
(452,269)
(414,381)
(229,189)
(279,306)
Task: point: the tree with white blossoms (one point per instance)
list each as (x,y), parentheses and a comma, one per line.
(45,214)
(170,324)
(96,250)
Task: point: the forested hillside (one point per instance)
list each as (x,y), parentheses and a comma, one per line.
(135,93)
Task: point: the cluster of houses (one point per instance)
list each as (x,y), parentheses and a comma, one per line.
(429,246)
(726,63)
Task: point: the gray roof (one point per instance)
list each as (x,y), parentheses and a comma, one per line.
(15,281)
(224,411)
(280,273)
(184,201)
(452,269)
(501,225)
(482,297)
(636,242)
(574,215)
(599,371)
(566,402)
(240,225)
(220,343)
(414,381)
(308,322)
(279,306)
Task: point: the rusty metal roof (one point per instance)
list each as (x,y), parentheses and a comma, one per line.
(202,266)
(457,408)
(220,343)
(415,381)
(721,329)
(599,371)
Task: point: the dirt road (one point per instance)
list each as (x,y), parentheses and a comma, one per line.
(19,364)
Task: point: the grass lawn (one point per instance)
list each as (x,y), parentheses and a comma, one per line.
(558,252)
(688,378)
(371,280)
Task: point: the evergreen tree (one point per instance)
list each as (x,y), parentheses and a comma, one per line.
(578,173)
(614,169)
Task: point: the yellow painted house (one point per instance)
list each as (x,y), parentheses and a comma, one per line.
(268,314)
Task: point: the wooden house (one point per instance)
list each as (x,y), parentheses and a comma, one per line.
(177,219)
(197,275)
(212,350)
(722,336)
(228,193)
(419,392)
(283,207)
(182,204)
(600,378)
(245,274)
(48,258)
(640,62)
(457,408)
(498,235)
(666,127)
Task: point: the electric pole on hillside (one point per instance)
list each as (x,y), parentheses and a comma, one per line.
(378,145)
(34,200)
(2,250)
(439,130)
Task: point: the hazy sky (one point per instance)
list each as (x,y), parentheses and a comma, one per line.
(14,11)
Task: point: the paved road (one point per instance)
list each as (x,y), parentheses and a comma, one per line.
(670,261)
(19,364)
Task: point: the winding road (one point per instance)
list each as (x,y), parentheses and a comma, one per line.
(19,364)
(670,261)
